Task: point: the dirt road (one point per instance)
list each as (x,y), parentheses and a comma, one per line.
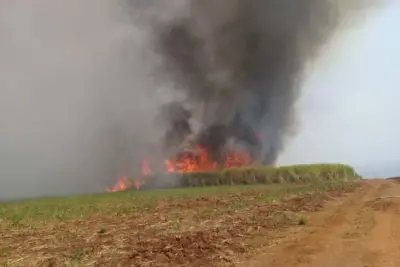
(359,230)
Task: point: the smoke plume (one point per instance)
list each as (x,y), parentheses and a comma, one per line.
(88,88)
(240,64)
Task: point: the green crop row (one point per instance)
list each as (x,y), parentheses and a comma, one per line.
(257,175)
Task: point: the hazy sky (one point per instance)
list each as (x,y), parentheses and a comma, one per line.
(68,111)
(350,108)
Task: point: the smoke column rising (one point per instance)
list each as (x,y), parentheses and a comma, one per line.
(240,65)
(82,83)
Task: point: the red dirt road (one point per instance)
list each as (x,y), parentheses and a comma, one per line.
(359,230)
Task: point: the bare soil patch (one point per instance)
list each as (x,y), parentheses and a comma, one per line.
(209,230)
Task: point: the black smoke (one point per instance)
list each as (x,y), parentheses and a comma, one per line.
(240,65)
(82,85)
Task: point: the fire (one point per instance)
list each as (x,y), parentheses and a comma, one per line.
(186,162)
(190,162)
(122,184)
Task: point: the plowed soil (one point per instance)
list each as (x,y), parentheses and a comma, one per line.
(359,230)
(351,226)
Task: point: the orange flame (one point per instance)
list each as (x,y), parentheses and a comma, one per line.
(122,184)
(186,162)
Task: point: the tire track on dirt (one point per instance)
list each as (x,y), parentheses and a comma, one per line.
(324,245)
(381,246)
(373,239)
(349,250)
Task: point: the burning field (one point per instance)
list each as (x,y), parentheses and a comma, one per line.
(198,226)
(199,98)
(186,162)
(196,168)
(233,73)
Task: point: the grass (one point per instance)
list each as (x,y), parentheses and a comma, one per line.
(137,202)
(135,228)
(260,175)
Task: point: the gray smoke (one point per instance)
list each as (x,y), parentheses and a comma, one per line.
(240,65)
(83,83)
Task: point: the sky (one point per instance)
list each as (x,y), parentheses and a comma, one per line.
(66,78)
(349,110)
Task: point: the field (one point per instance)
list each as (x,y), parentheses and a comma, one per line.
(206,225)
